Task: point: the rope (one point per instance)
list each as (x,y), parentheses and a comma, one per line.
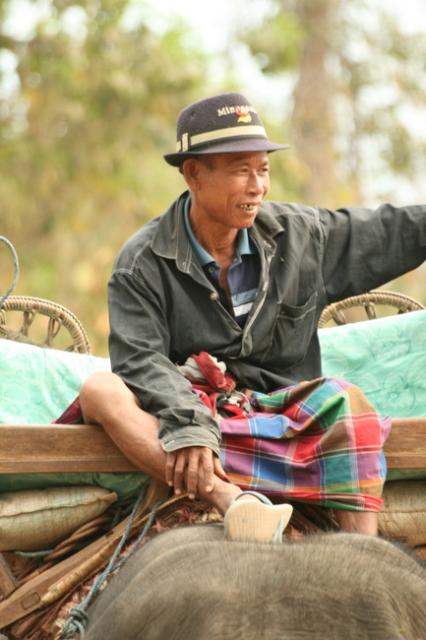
(33,554)
(78,619)
(15,267)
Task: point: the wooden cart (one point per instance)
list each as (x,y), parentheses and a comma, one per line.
(50,448)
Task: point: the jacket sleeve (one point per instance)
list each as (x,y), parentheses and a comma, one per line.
(139,348)
(366,248)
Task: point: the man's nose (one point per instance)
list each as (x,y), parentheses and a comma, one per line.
(256,183)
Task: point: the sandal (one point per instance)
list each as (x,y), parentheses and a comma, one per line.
(256,520)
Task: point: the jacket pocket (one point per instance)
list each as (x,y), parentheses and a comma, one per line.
(292,333)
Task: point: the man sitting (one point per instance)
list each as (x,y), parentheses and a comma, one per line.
(224,273)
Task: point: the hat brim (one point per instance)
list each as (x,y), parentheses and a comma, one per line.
(231,146)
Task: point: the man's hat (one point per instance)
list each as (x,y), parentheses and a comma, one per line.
(220,124)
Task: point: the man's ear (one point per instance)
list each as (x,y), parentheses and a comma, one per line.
(191,169)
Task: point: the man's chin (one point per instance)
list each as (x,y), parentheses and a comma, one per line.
(249,221)
(246,218)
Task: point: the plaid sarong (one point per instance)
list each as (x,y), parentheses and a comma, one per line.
(319,442)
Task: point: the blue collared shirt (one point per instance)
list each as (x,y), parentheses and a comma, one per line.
(243,274)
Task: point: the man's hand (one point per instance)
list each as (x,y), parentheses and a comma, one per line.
(192,469)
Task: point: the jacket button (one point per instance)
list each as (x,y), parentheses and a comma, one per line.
(214,295)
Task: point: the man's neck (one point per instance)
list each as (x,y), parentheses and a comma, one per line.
(220,242)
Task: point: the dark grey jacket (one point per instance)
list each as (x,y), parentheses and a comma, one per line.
(163,308)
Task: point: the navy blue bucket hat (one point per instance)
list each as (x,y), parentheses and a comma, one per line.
(220,124)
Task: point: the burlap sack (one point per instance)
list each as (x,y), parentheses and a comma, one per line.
(39,519)
(403,514)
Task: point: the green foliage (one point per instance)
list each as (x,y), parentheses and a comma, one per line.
(94,108)
(370,84)
(278,45)
(81,163)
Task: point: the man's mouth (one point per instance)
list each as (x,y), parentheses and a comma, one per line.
(249,207)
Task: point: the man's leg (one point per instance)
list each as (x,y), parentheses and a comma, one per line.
(358,521)
(333,430)
(107,401)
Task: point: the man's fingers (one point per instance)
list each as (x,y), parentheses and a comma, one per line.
(218,469)
(208,469)
(192,469)
(170,468)
(192,474)
(179,471)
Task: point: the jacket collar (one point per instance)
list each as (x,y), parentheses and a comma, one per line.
(171,240)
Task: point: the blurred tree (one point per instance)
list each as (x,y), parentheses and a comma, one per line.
(93,108)
(359,85)
(81,143)
(312,121)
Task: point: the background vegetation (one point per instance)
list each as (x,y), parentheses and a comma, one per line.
(88,104)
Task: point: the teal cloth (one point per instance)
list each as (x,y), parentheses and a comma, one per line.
(386,358)
(36,386)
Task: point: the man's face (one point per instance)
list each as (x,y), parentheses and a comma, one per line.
(230,188)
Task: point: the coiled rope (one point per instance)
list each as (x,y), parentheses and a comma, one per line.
(78,618)
(15,267)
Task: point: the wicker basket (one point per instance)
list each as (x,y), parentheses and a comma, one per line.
(57,319)
(368,301)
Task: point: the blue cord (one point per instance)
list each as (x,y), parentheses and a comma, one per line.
(78,619)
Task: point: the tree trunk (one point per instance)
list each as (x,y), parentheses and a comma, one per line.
(312,126)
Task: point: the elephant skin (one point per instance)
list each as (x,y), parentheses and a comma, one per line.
(191,584)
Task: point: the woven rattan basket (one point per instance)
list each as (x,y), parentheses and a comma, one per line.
(58,318)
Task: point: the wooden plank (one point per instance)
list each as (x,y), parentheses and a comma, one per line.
(69,448)
(59,448)
(406,445)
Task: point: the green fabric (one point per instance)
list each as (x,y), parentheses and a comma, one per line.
(124,484)
(386,358)
(36,386)
(406,474)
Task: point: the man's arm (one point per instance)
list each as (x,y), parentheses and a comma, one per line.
(366,248)
(139,348)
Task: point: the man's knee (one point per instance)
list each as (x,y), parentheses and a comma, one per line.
(99,390)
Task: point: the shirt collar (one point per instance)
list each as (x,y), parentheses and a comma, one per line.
(244,247)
